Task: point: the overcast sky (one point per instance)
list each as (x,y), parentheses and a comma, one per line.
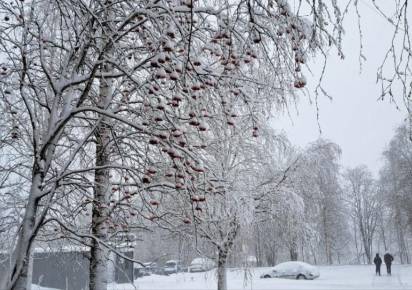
(354,119)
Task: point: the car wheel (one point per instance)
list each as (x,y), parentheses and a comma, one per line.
(266,276)
(301,277)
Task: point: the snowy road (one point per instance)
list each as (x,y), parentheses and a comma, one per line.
(332,278)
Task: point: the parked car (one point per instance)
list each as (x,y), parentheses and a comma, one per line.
(201,265)
(293,270)
(147,269)
(138,270)
(158,270)
(172,266)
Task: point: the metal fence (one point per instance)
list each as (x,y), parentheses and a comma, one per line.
(69,270)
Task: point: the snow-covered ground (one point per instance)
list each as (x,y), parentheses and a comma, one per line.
(332,278)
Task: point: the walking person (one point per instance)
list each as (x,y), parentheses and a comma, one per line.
(378,262)
(388,258)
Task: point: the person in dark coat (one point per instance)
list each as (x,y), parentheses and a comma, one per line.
(378,262)
(388,258)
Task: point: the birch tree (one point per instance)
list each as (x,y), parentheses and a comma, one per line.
(317,179)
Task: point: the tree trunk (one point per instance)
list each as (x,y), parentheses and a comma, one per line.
(18,277)
(403,251)
(355,236)
(21,255)
(330,259)
(257,249)
(367,242)
(313,252)
(223,252)
(302,251)
(99,254)
(221,271)
(328,252)
(293,253)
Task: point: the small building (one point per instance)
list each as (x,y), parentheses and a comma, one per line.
(67,268)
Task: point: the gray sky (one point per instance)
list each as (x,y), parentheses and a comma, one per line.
(354,119)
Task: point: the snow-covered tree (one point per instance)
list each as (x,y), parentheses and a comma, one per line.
(73,69)
(109,108)
(318,181)
(395,183)
(365,206)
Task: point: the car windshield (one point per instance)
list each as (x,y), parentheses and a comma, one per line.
(170,264)
(199,261)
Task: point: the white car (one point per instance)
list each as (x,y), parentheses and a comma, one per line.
(172,266)
(293,270)
(201,265)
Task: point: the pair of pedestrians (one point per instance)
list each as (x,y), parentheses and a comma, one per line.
(388,258)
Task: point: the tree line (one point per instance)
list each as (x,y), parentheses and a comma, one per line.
(304,205)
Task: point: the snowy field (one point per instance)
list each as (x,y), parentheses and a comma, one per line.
(332,277)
